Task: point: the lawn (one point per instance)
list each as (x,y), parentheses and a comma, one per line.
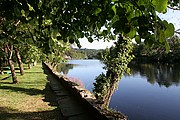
(30,99)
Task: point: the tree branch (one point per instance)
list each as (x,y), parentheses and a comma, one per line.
(173,8)
(177,32)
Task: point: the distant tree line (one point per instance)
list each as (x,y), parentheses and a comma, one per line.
(144,53)
(84,53)
(154,53)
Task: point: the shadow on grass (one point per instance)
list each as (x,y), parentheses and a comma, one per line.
(6,77)
(31,91)
(49,96)
(33,72)
(13,114)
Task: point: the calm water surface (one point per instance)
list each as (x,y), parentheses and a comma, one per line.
(151,92)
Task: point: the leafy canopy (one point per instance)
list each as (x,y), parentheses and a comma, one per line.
(69,20)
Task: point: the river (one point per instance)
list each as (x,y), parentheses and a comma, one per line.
(151,92)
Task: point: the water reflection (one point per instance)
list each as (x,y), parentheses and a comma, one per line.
(163,74)
(144,95)
(64,68)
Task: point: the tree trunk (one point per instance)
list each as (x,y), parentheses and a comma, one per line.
(13,73)
(19,61)
(29,65)
(1,70)
(107,97)
(34,63)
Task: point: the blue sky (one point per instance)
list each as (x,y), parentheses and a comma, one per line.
(171,16)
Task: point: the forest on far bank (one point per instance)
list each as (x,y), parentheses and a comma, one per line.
(142,52)
(75,53)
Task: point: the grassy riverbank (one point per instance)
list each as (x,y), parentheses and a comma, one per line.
(30,99)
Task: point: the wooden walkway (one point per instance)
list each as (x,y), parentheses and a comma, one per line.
(70,107)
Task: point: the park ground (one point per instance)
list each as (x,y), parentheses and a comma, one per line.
(30,99)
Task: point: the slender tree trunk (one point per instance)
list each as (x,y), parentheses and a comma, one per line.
(10,61)
(1,70)
(19,61)
(34,63)
(29,65)
(109,93)
(110,90)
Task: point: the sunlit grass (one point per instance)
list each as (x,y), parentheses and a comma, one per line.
(26,96)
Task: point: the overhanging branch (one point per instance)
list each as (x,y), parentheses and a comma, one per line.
(177,31)
(173,8)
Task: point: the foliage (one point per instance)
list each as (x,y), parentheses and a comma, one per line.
(85,53)
(93,53)
(64,68)
(174,4)
(116,60)
(71,20)
(30,54)
(77,54)
(159,53)
(46,23)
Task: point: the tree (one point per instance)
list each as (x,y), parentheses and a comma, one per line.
(116,60)
(49,21)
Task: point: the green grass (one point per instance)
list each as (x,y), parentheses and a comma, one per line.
(29,99)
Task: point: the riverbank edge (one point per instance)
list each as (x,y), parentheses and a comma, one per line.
(87,98)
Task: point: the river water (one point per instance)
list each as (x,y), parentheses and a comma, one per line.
(151,92)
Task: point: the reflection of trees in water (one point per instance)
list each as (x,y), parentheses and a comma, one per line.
(163,74)
(64,68)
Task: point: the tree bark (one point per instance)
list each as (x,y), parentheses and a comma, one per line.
(1,70)
(29,65)
(19,61)
(10,61)
(109,93)
(34,63)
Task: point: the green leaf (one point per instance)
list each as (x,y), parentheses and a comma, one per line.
(78,43)
(17,12)
(138,39)
(114,0)
(51,43)
(114,9)
(148,42)
(30,7)
(98,10)
(90,39)
(71,40)
(167,47)
(162,37)
(115,18)
(160,5)
(143,2)
(23,13)
(169,30)
(132,33)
